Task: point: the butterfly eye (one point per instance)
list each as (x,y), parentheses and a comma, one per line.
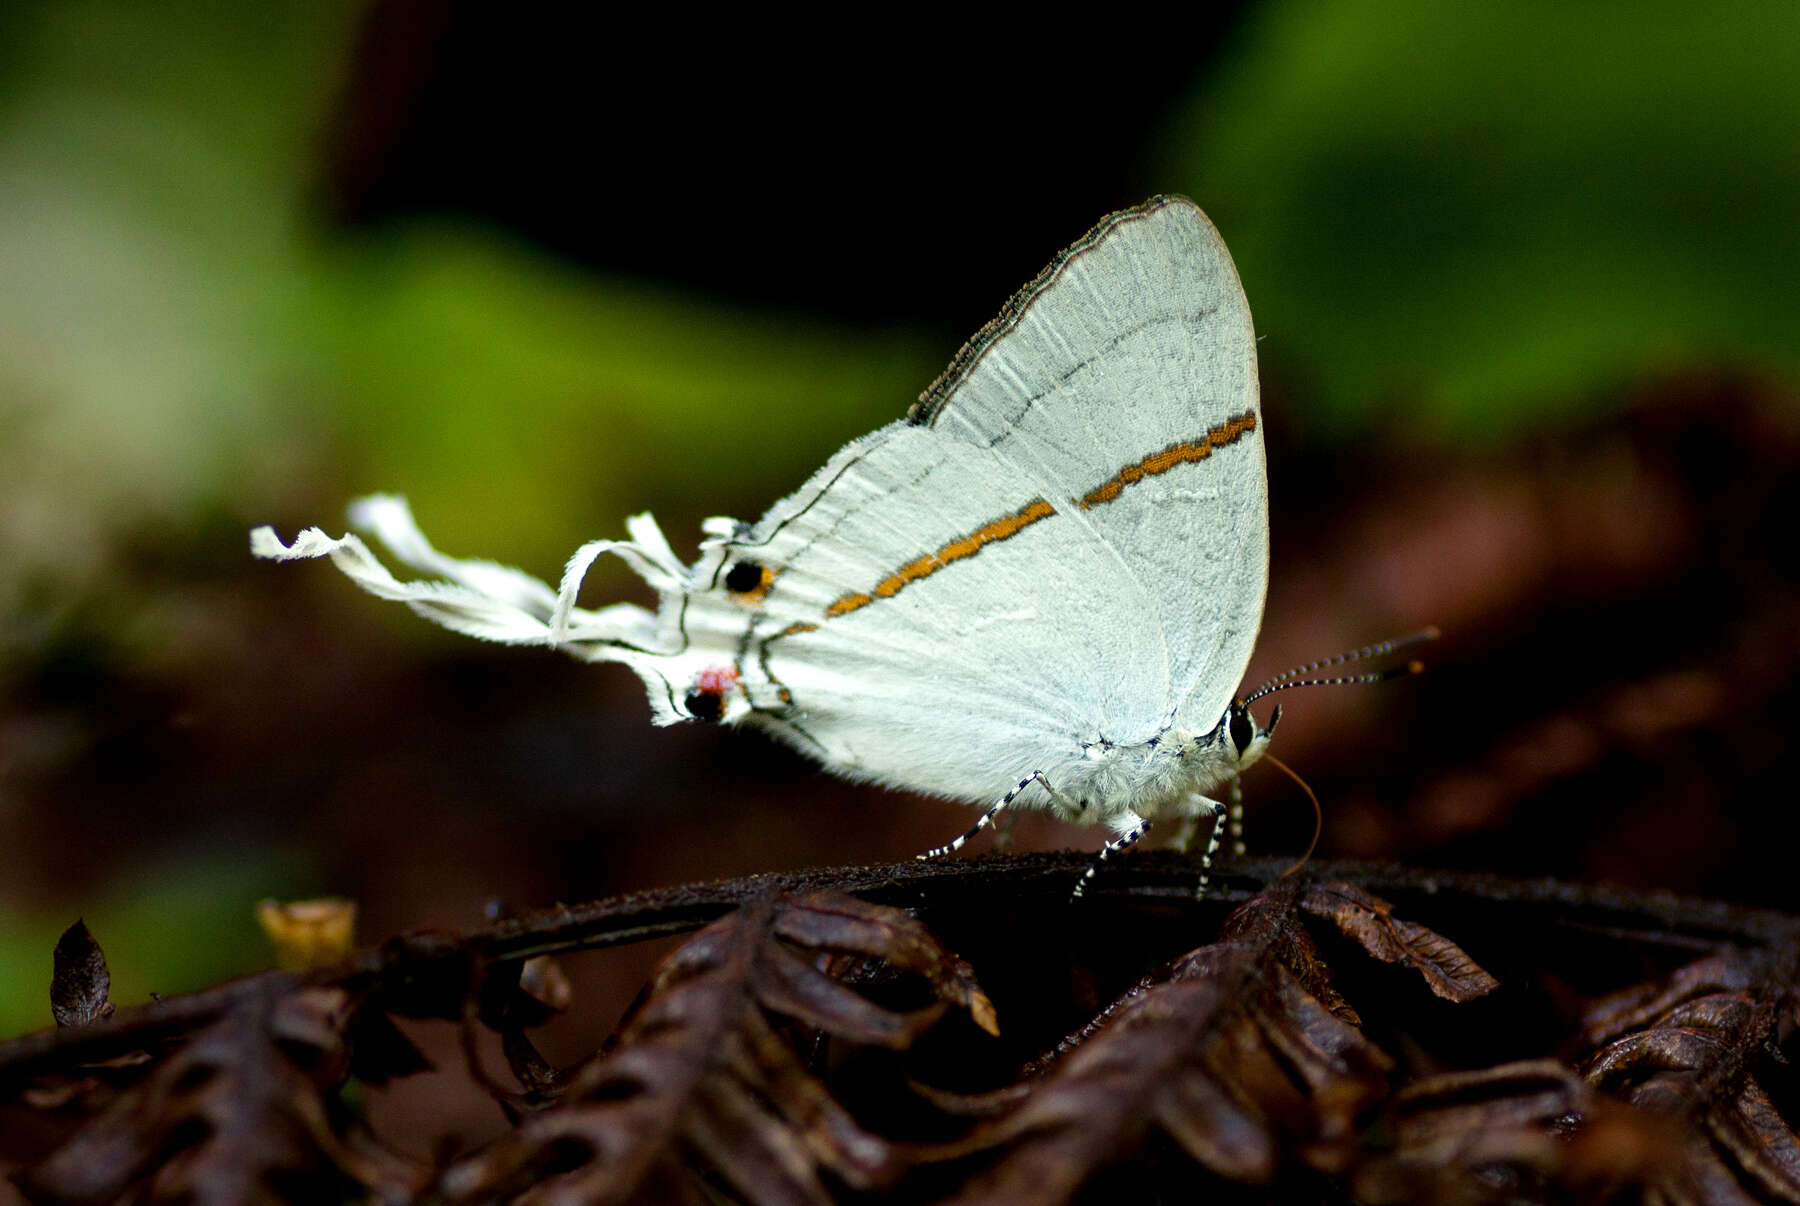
(1243,729)
(743,577)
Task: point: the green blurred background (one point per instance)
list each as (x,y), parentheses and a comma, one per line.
(539,270)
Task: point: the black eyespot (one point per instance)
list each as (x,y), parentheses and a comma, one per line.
(743,577)
(705,705)
(1243,729)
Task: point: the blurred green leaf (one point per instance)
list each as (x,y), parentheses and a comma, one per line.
(1476,215)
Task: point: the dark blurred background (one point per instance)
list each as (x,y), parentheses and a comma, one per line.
(1525,283)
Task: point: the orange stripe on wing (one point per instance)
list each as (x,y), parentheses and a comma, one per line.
(1183,453)
(848,603)
(956,550)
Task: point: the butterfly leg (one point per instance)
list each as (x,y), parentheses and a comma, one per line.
(1219,814)
(1234,818)
(988,817)
(1131,827)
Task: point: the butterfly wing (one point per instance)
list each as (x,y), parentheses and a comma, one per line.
(1064,543)
(1132,359)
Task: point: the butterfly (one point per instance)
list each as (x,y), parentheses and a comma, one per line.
(1039,589)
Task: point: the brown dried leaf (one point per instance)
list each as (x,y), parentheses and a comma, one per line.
(543,980)
(699,1075)
(379,1052)
(79,981)
(847,925)
(1760,1141)
(1528,1131)
(1233,1058)
(238,1115)
(1276,1083)
(515,997)
(1638,1006)
(1696,1065)
(1369,920)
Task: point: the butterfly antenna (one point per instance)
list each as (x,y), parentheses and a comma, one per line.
(1318,813)
(1295,678)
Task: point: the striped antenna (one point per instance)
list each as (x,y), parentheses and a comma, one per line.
(1292,678)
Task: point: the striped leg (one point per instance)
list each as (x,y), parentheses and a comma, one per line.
(1234,818)
(1124,841)
(987,818)
(1219,815)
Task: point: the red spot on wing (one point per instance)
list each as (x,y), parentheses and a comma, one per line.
(716,681)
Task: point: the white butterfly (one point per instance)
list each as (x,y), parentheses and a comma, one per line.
(1039,589)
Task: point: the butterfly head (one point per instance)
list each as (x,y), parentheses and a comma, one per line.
(1239,737)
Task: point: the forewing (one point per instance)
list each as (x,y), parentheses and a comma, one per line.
(1126,375)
